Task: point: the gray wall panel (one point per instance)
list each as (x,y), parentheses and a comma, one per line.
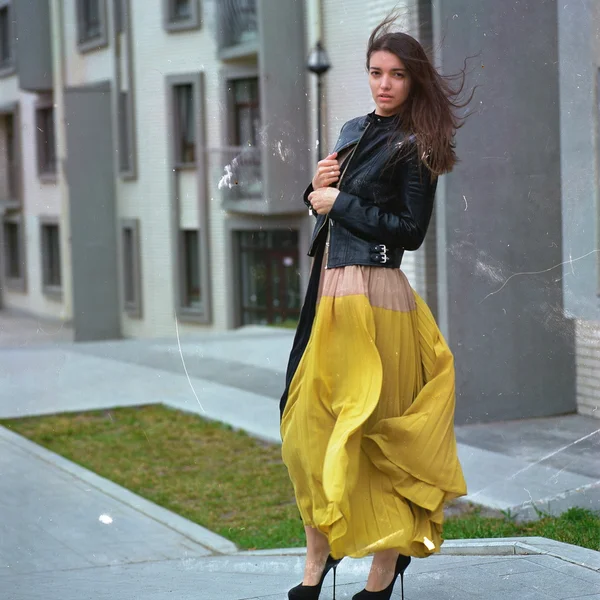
(579,59)
(34,51)
(283,90)
(514,350)
(91,177)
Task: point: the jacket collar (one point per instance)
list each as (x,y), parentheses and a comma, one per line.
(351,133)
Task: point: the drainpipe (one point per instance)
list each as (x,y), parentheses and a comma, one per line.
(58,85)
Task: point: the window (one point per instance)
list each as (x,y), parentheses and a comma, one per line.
(10,188)
(50,246)
(7,63)
(125,133)
(181,10)
(180,15)
(185,124)
(91,23)
(237,22)
(246,112)
(191,293)
(244,136)
(46,141)
(270,280)
(13,253)
(132,284)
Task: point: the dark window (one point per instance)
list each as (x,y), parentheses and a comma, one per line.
(191,297)
(12,250)
(119,15)
(125,158)
(270,277)
(11,155)
(46,141)
(185,125)
(91,23)
(237,22)
(246,112)
(129,265)
(51,255)
(132,280)
(181,10)
(5,37)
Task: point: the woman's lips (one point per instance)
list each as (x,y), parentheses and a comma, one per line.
(384,98)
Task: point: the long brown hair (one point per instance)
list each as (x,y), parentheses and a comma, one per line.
(429,112)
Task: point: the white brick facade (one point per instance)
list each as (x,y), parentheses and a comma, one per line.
(587,345)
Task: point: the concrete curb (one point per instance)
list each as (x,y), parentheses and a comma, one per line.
(194,532)
(587,496)
(582,557)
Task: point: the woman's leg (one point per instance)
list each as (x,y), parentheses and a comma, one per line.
(382,570)
(317,551)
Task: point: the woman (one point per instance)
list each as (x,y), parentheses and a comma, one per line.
(367,414)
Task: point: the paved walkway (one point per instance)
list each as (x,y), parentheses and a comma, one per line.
(66,533)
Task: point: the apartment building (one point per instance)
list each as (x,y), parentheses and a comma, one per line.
(188,124)
(153,154)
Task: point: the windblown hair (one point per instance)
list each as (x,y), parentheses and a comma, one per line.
(429,112)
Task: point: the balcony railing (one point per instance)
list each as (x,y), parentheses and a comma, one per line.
(237,22)
(237,172)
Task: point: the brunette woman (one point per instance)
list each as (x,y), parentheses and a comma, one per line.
(368,410)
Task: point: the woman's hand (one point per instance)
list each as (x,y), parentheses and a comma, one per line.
(322,199)
(328,172)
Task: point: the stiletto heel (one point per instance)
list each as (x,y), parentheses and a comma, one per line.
(311,592)
(334,570)
(402,563)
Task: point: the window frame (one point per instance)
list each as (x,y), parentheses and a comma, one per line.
(124,93)
(52,291)
(45,175)
(16,200)
(132,308)
(183,281)
(176,121)
(201,315)
(88,44)
(9,67)
(229,75)
(173,25)
(14,284)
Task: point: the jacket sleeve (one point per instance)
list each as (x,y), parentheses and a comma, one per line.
(308,191)
(405,229)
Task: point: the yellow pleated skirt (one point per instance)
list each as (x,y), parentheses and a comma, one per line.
(368,428)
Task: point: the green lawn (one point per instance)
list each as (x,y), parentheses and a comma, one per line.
(227,481)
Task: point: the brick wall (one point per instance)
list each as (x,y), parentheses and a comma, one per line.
(587,348)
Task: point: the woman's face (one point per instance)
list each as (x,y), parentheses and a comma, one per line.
(389,81)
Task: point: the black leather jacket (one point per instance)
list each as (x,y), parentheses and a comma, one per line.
(384,205)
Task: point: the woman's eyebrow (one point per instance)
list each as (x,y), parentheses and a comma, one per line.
(400,69)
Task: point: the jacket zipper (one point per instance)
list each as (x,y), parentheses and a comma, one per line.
(326,221)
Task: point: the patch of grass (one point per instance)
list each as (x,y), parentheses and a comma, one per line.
(576,526)
(231,483)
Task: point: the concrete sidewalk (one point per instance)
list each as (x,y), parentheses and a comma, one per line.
(68,534)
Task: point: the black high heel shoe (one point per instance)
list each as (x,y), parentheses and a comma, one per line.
(311,592)
(401,564)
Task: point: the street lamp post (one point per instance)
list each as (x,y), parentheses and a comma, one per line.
(318,63)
